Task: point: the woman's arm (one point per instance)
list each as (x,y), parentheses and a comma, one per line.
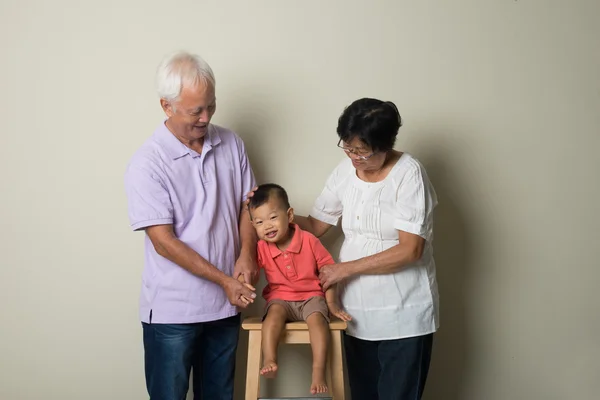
(312,225)
(409,250)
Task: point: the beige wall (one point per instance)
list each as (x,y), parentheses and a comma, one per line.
(501,101)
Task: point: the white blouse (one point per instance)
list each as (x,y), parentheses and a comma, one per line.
(396,305)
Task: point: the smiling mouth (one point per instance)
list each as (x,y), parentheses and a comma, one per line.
(271,234)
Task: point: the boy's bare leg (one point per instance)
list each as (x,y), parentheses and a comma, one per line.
(271,332)
(318,329)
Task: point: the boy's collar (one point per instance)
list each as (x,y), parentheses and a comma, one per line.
(295,245)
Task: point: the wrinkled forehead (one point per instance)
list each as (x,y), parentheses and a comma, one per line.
(197,95)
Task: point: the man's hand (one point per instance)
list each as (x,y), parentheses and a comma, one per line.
(250,194)
(329,275)
(336,310)
(239,294)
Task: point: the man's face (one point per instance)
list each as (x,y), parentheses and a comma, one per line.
(190,115)
(271,221)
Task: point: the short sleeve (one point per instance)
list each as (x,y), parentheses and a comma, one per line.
(260,248)
(328,206)
(415,201)
(322,256)
(148,198)
(248,179)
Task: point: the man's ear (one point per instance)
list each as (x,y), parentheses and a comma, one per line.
(290,213)
(167,107)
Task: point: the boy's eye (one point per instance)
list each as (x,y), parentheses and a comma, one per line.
(274,217)
(258,222)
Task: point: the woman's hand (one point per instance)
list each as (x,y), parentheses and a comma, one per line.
(337,311)
(329,275)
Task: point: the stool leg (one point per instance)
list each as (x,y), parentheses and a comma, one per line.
(253,367)
(337,366)
(329,368)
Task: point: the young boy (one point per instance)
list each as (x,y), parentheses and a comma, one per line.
(291,259)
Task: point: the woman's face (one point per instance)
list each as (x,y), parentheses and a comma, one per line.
(357,151)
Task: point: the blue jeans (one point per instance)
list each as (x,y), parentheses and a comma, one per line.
(388,369)
(171,350)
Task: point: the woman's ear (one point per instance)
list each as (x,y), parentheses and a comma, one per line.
(290,213)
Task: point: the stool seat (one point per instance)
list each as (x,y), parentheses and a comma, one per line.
(254,323)
(294,333)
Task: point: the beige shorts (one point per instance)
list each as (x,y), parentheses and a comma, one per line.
(300,310)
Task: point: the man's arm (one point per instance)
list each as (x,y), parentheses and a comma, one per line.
(169,246)
(246,263)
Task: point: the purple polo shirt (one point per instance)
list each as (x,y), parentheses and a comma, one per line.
(201,196)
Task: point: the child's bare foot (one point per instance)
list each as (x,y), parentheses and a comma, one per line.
(318,384)
(269,369)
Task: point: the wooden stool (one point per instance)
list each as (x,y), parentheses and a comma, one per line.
(294,333)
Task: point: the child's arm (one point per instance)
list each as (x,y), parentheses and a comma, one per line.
(333,304)
(323,258)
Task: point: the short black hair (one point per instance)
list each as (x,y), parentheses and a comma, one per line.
(374,122)
(266,192)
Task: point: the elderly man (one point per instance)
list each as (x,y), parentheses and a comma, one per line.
(185,189)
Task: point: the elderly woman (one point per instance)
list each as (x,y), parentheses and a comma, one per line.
(386,273)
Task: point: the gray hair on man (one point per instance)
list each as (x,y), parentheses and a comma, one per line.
(179,70)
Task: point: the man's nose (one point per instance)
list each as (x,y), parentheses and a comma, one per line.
(204,116)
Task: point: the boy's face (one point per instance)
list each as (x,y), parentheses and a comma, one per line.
(271,221)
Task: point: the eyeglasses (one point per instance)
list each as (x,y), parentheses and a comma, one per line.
(359,153)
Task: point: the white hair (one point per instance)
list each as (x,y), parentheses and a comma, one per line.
(179,70)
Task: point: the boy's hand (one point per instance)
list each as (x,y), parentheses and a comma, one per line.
(337,311)
(243,298)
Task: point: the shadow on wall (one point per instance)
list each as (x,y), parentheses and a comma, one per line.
(452,254)
(250,119)
(450,361)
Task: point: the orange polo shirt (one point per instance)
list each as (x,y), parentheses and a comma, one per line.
(293,274)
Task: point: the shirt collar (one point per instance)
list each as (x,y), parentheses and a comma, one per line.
(295,245)
(175,149)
